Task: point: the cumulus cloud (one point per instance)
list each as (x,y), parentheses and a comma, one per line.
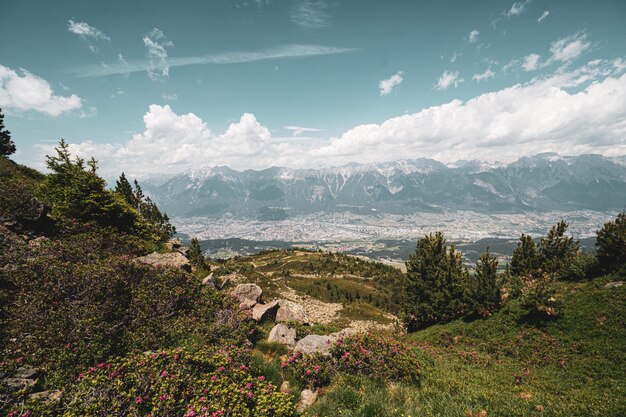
(487,74)
(569,48)
(531,62)
(22,91)
(298,131)
(581,110)
(157,44)
(310,14)
(543,16)
(473,36)
(87,34)
(447,79)
(386,86)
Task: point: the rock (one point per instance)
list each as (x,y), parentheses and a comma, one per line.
(307,399)
(183,250)
(284,387)
(173,244)
(15,384)
(283,334)
(290,311)
(210,280)
(248,294)
(267,311)
(342,333)
(26,372)
(225,283)
(614,284)
(315,344)
(37,242)
(47,396)
(174,260)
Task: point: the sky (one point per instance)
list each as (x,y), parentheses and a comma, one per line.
(155,87)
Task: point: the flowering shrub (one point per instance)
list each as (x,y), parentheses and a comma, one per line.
(179,382)
(364,354)
(377,357)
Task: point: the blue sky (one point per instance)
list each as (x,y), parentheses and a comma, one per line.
(160,87)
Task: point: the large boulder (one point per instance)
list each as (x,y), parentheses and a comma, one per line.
(282,334)
(315,344)
(262,312)
(173,243)
(248,294)
(210,280)
(290,311)
(173,259)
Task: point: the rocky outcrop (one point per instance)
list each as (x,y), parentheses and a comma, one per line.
(283,334)
(290,311)
(262,312)
(173,243)
(307,399)
(210,281)
(614,284)
(22,377)
(173,259)
(315,344)
(248,294)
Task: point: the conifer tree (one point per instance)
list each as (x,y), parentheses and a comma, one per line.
(123,188)
(556,250)
(525,259)
(196,258)
(486,291)
(7,147)
(611,244)
(435,284)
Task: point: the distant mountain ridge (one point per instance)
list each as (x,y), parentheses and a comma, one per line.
(542,182)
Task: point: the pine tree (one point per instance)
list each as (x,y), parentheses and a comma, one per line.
(435,284)
(486,291)
(196,258)
(7,147)
(611,244)
(556,250)
(123,188)
(525,259)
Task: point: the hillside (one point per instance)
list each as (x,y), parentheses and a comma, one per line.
(103,314)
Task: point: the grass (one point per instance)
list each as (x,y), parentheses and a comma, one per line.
(506,366)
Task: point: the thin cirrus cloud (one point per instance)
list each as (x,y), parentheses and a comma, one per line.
(157,44)
(280,52)
(545,14)
(21,90)
(299,130)
(448,79)
(516,9)
(310,14)
(582,110)
(531,62)
(473,36)
(385,87)
(87,33)
(487,74)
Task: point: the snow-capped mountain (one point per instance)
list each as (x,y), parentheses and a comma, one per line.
(541,182)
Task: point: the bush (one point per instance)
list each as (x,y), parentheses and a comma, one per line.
(611,244)
(207,382)
(71,307)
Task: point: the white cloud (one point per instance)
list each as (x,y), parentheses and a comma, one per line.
(577,111)
(118,93)
(170,97)
(310,14)
(473,36)
(531,62)
(543,15)
(22,91)
(517,8)
(569,48)
(280,52)
(447,79)
(87,34)
(299,130)
(84,30)
(386,86)
(157,45)
(455,55)
(488,73)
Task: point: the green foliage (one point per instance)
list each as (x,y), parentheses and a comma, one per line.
(485,291)
(208,382)
(556,250)
(7,147)
(611,244)
(525,258)
(196,258)
(73,306)
(538,296)
(436,283)
(17,191)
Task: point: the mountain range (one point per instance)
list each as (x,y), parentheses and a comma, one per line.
(543,182)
